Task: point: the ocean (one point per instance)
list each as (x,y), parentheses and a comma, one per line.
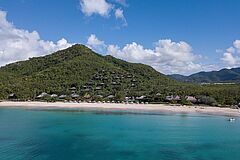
(71,135)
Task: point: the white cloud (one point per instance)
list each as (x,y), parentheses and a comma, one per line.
(94,41)
(95,44)
(230,50)
(119,15)
(18,44)
(90,7)
(231,57)
(167,56)
(237,45)
(104,8)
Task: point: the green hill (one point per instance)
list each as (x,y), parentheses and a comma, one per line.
(95,77)
(80,67)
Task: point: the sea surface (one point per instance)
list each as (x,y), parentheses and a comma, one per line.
(71,135)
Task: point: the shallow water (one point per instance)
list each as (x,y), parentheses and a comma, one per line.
(58,135)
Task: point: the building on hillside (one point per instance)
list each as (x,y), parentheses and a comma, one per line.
(73,89)
(134,80)
(98,88)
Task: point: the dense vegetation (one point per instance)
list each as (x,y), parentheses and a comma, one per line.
(222,76)
(97,77)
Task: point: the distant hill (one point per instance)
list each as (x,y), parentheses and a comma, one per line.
(78,66)
(221,76)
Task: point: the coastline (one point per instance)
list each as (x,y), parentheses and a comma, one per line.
(125,108)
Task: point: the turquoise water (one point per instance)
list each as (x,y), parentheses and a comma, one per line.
(59,135)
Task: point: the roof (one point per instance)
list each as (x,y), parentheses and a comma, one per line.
(12,95)
(141,97)
(98,87)
(43,94)
(73,88)
(62,96)
(54,95)
(74,95)
(173,98)
(110,96)
(191,98)
(100,96)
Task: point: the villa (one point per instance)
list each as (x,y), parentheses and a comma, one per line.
(191,99)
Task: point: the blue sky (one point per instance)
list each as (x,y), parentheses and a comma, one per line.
(208,27)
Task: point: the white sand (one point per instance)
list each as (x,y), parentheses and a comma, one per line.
(135,108)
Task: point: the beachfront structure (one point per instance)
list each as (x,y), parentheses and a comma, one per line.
(12,96)
(173,98)
(74,95)
(42,95)
(191,99)
(99,96)
(54,96)
(110,96)
(62,96)
(140,98)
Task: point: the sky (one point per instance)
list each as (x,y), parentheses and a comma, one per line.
(172,36)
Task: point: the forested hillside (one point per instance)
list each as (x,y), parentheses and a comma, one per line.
(97,77)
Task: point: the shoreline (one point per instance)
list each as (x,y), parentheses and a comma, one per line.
(124,108)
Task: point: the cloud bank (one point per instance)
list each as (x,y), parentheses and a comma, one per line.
(166,56)
(18,44)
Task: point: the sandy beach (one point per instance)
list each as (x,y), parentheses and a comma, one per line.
(130,108)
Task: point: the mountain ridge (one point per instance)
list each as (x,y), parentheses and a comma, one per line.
(222,76)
